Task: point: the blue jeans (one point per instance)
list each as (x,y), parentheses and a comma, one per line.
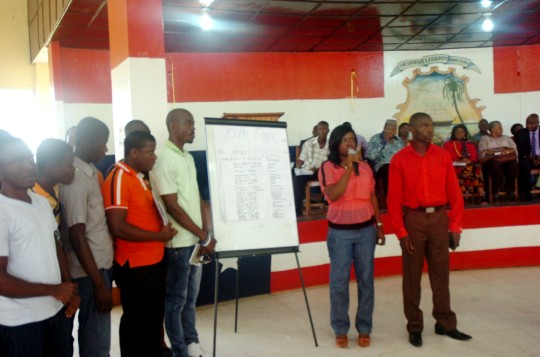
(345,247)
(183,283)
(48,338)
(94,327)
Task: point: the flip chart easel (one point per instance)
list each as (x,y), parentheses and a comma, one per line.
(251,194)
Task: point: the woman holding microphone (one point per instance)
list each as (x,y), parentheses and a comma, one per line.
(354,228)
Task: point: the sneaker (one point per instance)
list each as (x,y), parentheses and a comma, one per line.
(194,350)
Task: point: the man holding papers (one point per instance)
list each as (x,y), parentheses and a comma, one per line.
(175,179)
(139,235)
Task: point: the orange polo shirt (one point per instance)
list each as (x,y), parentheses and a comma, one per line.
(126,189)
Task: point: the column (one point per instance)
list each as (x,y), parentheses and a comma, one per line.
(138,71)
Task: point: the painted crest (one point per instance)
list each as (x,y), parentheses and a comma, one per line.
(443,95)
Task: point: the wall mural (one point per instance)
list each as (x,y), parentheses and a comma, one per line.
(444,96)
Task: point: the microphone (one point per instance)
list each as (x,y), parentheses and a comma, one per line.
(355,163)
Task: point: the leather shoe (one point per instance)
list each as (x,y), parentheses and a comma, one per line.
(455,334)
(415,339)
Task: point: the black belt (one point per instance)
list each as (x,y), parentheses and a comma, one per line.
(430,209)
(353,226)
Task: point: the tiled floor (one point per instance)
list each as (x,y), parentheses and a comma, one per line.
(500,308)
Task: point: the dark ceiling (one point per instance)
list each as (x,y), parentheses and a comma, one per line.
(324,25)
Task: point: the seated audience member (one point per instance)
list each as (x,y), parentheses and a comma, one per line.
(403,133)
(381,148)
(514,130)
(498,155)
(314,153)
(362,144)
(314,132)
(482,131)
(139,236)
(466,165)
(528,146)
(35,305)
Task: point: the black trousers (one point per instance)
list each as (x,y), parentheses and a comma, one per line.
(142,291)
(524,178)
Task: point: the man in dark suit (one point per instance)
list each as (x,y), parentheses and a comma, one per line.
(528,145)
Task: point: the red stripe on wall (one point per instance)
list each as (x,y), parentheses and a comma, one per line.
(210,77)
(316,231)
(86,76)
(501,216)
(388,266)
(515,69)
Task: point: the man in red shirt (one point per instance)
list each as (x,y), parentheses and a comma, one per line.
(422,182)
(139,235)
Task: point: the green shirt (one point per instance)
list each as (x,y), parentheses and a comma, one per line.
(175,172)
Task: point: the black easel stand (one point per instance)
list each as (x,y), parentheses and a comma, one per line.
(238,254)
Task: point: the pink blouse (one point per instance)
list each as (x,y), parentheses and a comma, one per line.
(354,205)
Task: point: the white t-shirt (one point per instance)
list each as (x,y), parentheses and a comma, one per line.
(27,239)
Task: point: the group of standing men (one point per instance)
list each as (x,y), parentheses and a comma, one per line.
(111,228)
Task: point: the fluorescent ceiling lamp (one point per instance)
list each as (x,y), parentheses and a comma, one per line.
(486,3)
(488,24)
(206,3)
(205,21)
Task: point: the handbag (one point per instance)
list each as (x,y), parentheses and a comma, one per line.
(504,158)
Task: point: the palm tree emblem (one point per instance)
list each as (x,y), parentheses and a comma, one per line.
(453,90)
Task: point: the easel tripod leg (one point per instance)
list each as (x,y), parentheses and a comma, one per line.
(237,288)
(216,294)
(306,299)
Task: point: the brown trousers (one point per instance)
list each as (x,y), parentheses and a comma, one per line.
(429,235)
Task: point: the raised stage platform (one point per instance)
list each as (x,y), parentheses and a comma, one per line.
(493,237)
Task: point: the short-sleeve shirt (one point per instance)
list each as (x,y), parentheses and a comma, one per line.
(83,204)
(27,239)
(354,205)
(382,151)
(175,173)
(312,154)
(126,189)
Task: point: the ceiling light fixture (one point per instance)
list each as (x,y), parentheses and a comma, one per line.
(488,24)
(485,3)
(206,3)
(205,20)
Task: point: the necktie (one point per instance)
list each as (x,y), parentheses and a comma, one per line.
(533,144)
(464,151)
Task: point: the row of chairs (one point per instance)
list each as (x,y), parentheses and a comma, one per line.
(316,200)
